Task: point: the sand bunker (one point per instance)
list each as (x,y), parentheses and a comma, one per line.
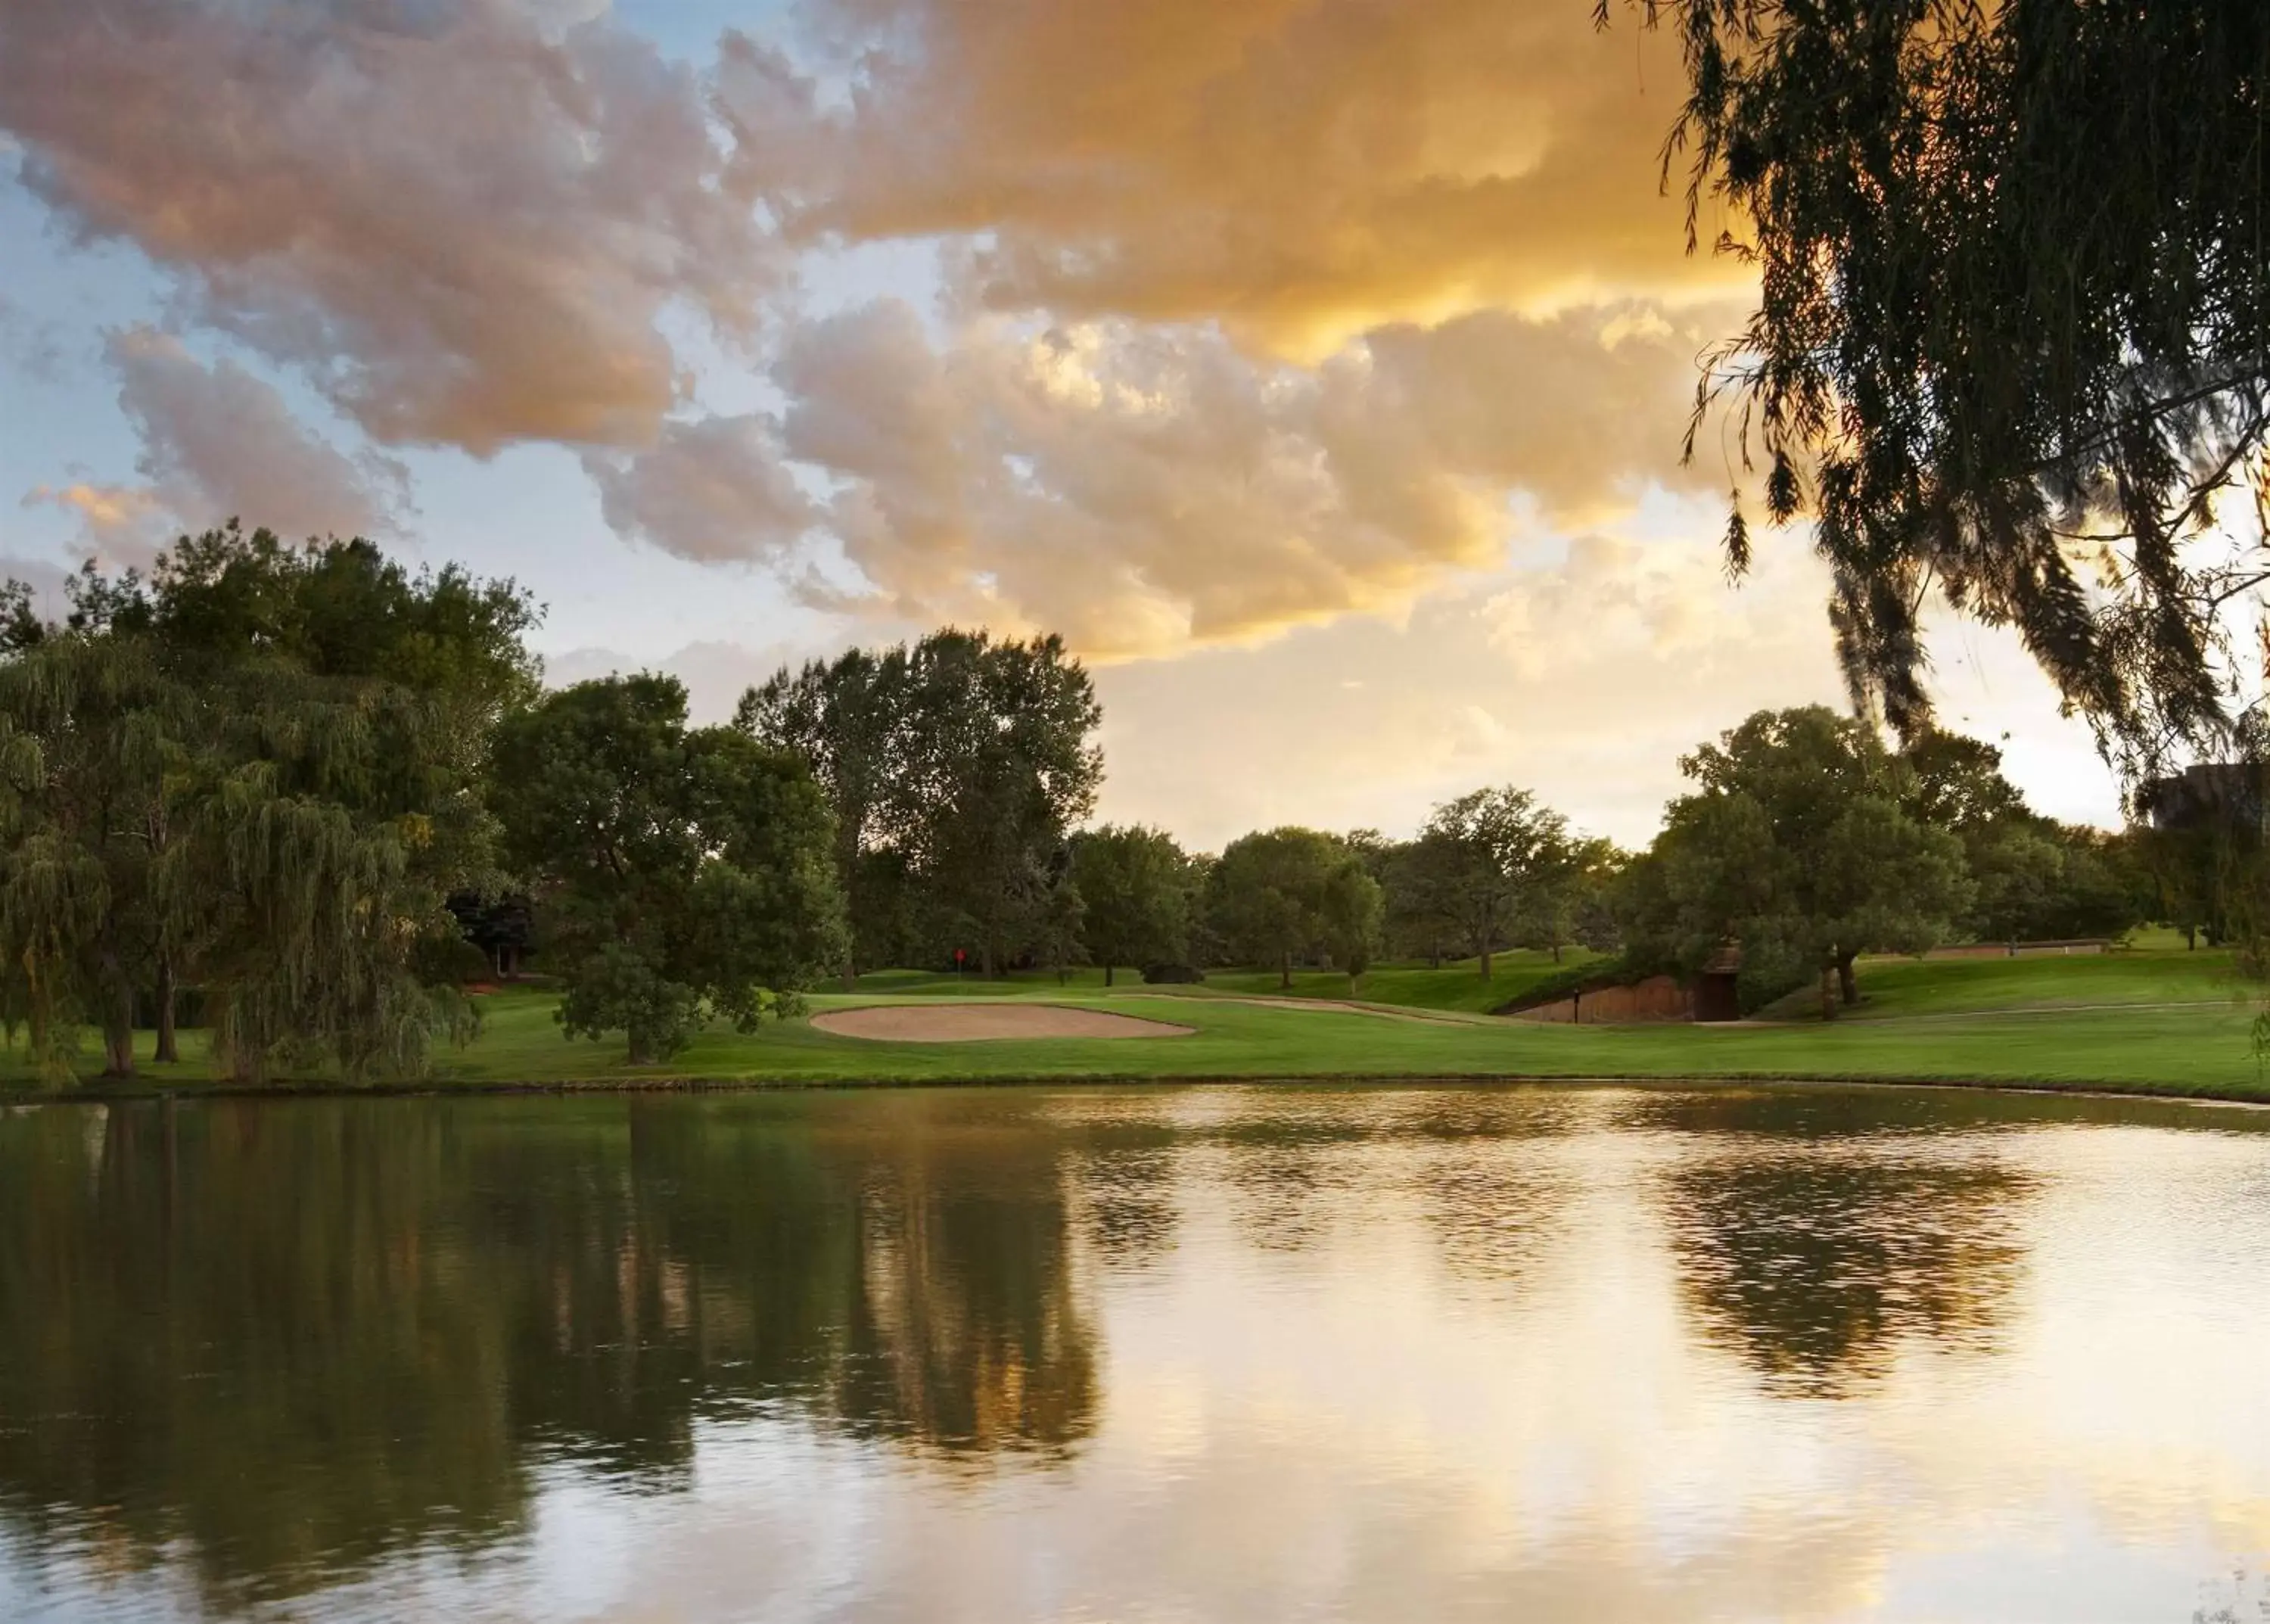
(964,1023)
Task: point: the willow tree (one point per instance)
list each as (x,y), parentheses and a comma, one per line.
(90,760)
(260,767)
(330,825)
(2013,338)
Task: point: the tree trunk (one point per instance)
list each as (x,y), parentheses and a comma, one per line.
(2191,939)
(168,1050)
(1434,955)
(1847,988)
(1285,971)
(1107,975)
(641,1052)
(118,1026)
(118,1038)
(1557,951)
(1827,992)
(1485,959)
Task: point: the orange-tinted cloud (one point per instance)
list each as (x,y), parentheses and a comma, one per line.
(1299,170)
(461,216)
(1252,314)
(1143,488)
(220,443)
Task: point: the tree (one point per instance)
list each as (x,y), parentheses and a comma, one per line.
(1350,914)
(260,765)
(89,730)
(686,873)
(1421,878)
(1795,843)
(1266,895)
(2013,335)
(846,718)
(996,768)
(2035,879)
(1135,883)
(1060,938)
(1578,907)
(1500,852)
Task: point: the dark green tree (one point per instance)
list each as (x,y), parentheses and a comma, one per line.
(995,769)
(685,873)
(1795,843)
(1503,856)
(90,740)
(1135,882)
(2013,339)
(1266,896)
(260,767)
(847,718)
(1350,911)
(1421,879)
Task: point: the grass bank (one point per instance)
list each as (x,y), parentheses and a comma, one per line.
(2160,1023)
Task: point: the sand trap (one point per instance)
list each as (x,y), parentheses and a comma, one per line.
(964,1023)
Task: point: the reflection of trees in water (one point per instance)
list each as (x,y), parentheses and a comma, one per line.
(1814,1263)
(1128,1195)
(1287,1157)
(298,1336)
(1479,1180)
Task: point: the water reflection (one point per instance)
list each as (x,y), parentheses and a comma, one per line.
(1220,1353)
(1814,1265)
(295,1338)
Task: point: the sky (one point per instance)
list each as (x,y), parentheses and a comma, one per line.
(1318,368)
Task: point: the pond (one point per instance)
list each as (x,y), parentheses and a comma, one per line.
(1269,1352)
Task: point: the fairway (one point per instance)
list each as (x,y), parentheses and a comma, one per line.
(969,1023)
(2166,1023)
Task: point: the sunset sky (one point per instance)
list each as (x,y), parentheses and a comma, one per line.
(1317,367)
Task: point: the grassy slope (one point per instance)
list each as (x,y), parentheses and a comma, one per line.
(1925,1021)
(1457,986)
(1891,989)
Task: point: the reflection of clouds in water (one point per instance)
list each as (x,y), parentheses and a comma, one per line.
(1259,1354)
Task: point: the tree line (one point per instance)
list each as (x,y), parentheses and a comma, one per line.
(292,793)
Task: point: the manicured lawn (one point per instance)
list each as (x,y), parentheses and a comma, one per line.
(1954,1021)
(1458,986)
(1894,988)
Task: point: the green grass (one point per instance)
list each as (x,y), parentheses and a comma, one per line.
(1894,989)
(1994,1020)
(1457,986)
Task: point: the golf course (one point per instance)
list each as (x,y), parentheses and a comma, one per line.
(2149,1020)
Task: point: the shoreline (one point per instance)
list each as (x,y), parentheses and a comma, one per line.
(2095,1089)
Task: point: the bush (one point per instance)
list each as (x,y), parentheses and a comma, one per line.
(1163,974)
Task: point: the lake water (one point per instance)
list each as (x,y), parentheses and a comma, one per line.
(1096,1355)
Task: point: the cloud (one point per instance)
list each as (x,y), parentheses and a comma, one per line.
(463,218)
(1301,170)
(714,491)
(715,673)
(1583,678)
(1141,488)
(220,443)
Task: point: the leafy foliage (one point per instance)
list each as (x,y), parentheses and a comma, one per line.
(1493,859)
(1135,883)
(688,872)
(1795,844)
(968,760)
(2013,332)
(260,767)
(1266,895)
